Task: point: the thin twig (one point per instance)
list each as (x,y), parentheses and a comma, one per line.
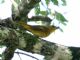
(19,56)
(27,55)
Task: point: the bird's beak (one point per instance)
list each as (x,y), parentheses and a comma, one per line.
(59,29)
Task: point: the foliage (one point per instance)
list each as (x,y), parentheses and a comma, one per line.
(47,12)
(64,2)
(55,2)
(60,18)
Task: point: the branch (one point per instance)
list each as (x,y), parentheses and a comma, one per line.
(40,18)
(14,39)
(51,51)
(24,8)
(8,53)
(76,56)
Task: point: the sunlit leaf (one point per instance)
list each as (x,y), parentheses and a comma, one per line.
(55,2)
(43,12)
(60,18)
(64,2)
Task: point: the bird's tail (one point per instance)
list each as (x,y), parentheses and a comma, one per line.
(24,25)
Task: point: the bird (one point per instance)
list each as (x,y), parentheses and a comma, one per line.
(38,30)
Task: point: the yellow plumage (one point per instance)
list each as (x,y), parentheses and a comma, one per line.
(40,31)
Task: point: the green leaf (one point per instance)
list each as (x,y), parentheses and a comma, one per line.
(60,18)
(43,13)
(37,9)
(55,2)
(64,2)
(47,2)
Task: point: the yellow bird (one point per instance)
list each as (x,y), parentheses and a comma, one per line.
(40,31)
